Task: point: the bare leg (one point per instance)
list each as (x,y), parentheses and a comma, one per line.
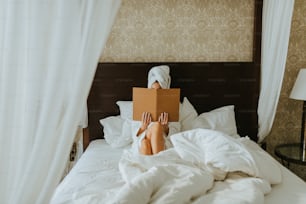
(155,136)
(145,147)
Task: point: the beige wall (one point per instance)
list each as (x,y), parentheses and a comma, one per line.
(207,30)
(180,30)
(287,124)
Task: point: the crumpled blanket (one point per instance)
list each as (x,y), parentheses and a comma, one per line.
(204,166)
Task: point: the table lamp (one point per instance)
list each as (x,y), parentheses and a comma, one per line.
(299,93)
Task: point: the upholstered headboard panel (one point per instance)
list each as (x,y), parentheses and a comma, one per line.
(206,85)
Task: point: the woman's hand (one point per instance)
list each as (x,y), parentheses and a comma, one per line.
(163,119)
(145,120)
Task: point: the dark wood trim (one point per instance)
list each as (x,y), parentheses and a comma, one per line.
(257,32)
(86,138)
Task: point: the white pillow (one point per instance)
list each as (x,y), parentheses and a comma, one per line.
(221,119)
(112,127)
(126,109)
(126,133)
(187,115)
(115,132)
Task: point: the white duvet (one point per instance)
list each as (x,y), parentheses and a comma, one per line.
(204,166)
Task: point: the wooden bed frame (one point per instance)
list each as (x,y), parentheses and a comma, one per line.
(207,85)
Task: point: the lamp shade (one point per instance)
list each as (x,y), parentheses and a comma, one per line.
(299,89)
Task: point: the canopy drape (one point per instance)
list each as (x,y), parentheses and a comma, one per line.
(49,50)
(276,25)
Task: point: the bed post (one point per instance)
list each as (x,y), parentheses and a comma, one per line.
(86,139)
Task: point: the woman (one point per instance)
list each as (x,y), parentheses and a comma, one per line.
(151,137)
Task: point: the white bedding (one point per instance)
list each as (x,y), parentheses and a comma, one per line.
(190,173)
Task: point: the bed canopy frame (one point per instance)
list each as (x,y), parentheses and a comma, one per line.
(207,85)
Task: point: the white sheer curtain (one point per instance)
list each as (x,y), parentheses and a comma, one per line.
(48,54)
(276,24)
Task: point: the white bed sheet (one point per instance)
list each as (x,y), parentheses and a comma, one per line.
(96,177)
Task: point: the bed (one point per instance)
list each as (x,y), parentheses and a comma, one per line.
(109,173)
(215,158)
(94,180)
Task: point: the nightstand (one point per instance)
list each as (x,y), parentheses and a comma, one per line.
(291,153)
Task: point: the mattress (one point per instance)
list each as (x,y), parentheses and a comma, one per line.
(96,177)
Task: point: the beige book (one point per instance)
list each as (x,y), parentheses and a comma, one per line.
(156,101)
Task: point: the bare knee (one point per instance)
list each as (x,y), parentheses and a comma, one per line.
(156,128)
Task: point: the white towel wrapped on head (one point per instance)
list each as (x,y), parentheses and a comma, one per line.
(161,74)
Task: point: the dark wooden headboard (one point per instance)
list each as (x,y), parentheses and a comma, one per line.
(207,85)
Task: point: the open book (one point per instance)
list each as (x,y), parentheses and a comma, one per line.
(156,101)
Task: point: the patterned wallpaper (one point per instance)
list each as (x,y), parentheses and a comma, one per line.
(208,30)
(287,123)
(180,30)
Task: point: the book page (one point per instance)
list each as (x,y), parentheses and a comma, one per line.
(168,101)
(144,100)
